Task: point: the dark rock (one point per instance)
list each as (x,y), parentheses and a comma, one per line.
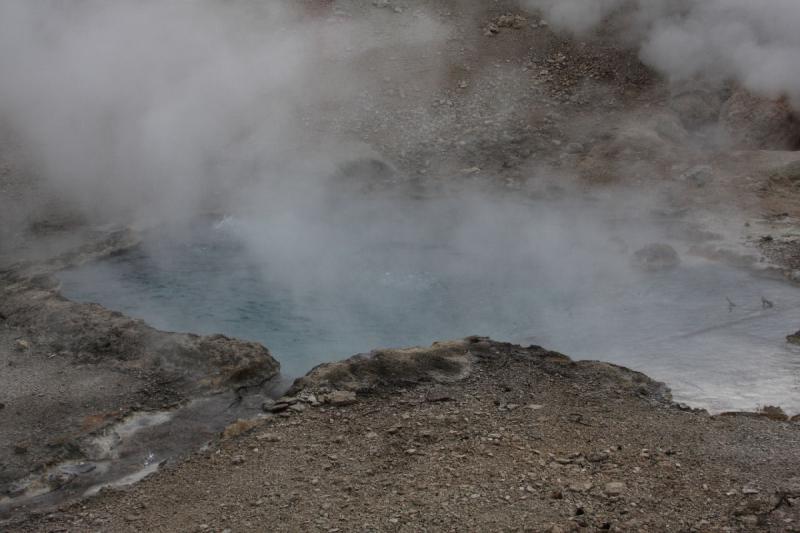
(277,407)
(655,257)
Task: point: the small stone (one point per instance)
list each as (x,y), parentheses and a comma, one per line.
(438,396)
(699,176)
(268,437)
(238,428)
(291,400)
(298,407)
(132,517)
(581,486)
(750,490)
(598,457)
(372,435)
(22,345)
(277,407)
(614,488)
(237,459)
(341,398)
(534,406)
(574,148)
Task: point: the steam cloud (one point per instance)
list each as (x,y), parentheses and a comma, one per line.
(754,43)
(138,107)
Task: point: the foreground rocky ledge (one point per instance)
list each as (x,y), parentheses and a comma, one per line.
(72,370)
(471,435)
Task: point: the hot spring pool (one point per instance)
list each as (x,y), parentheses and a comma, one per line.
(327,292)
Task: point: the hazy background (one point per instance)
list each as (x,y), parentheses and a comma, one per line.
(755,43)
(128,109)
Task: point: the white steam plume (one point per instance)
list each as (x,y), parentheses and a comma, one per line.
(755,43)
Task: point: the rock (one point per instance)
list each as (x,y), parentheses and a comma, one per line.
(438,396)
(298,407)
(277,407)
(598,457)
(290,400)
(443,362)
(254,401)
(239,427)
(584,486)
(794,338)
(574,148)
(22,345)
(268,437)
(774,412)
(695,105)
(699,176)
(340,398)
(655,257)
(614,488)
(515,22)
(237,459)
(756,123)
(534,406)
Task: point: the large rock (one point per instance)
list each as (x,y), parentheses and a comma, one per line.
(755,123)
(442,362)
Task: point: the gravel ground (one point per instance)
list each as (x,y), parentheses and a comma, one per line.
(529,441)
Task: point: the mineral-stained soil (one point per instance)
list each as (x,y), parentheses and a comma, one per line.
(497,438)
(69,370)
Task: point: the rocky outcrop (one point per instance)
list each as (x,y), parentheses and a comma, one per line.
(442,362)
(755,123)
(90,333)
(455,361)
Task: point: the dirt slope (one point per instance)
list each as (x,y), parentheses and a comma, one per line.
(528,441)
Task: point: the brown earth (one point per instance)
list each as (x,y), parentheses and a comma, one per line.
(528,440)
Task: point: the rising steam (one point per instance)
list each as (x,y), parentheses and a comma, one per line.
(754,43)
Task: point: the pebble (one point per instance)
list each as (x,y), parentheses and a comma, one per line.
(340,398)
(614,488)
(268,437)
(237,459)
(276,407)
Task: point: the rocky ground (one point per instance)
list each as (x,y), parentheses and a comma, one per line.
(472,435)
(464,436)
(70,370)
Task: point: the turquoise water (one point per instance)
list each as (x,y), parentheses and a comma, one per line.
(323,295)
